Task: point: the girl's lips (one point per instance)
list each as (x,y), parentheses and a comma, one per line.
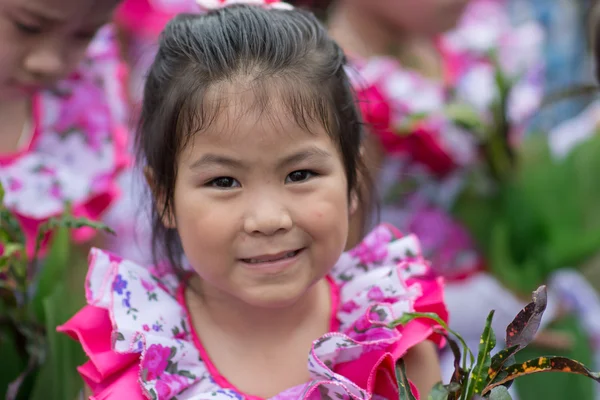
(273,263)
(270,257)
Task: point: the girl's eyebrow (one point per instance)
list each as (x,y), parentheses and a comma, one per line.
(312,153)
(42,16)
(211,159)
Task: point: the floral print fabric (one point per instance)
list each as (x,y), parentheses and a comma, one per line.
(78,146)
(428,154)
(147,342)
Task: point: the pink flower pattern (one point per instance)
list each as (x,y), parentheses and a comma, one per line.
(147,285)
(155,361)
(374,248)
(78,148)
(171,365)
(170,385)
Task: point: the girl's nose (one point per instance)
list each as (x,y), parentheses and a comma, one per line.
(267,216)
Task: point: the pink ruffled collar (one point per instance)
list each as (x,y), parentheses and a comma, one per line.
(378,281)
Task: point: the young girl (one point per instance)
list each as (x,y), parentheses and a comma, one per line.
(61,108)
(251,141)
(413,62)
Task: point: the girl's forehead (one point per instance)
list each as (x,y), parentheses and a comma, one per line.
(243,109)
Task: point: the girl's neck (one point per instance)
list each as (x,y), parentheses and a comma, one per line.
(15,127)
(257,326)
(362,35)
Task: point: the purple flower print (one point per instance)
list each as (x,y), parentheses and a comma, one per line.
(126,300)
(155,362)
(374,248)
(157,328)
(119,284)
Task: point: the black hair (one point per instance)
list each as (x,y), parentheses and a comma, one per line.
(265,46)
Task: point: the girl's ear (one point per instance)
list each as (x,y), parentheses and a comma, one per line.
(167,217)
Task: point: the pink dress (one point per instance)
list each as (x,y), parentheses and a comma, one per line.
(137,333)
(77,147)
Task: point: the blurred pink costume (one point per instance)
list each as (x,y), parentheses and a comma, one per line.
(427,154)
(142,21)
(77,147)
(137,333)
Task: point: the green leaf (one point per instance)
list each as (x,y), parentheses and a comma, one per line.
(544,364)
(53,271)
(173,352)
(12,362)
(171,368)
(479,373)
(500,393)
(187,374)
(439,392)
(500,358)
(459,375)
(58,377)
(2,192)
(13,256)
(466,117)
(407,317)
(10,228)
(405,393)
(454,388)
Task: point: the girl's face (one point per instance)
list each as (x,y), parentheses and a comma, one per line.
(421,17)
(42,41)
(261,205)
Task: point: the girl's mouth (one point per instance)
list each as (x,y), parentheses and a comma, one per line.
(271,258)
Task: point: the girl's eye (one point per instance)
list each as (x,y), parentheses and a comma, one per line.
(299,176)
(27,29)
(224,182)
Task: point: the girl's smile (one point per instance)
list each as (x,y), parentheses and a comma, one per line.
(273,263)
